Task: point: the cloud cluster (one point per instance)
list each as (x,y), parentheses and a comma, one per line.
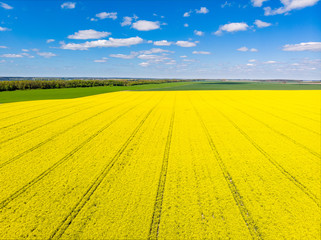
(198,33)
(143,52)
(151,56)
(201,52)
(162,43)
(68,5)
(46,54)
(5,6)
(104,59)
(50,40)
(143,25)
(111,42)
(232,27)
(2,29)
(89,34)
(305,46)
(11,55)
(261,24)
(258,3)
(185,44)
(202,10)
(127,21)
(124,56)
(289,5)
(104,15)
(245,49)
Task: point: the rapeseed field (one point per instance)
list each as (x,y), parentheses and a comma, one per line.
(162,165)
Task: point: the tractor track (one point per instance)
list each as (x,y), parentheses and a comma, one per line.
(59,231)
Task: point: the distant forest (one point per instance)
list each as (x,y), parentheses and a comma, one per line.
(50,84)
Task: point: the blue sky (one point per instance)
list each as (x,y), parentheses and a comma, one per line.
(161,39)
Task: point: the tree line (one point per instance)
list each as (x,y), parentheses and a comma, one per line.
(50,84)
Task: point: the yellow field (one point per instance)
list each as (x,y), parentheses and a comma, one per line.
(167,165)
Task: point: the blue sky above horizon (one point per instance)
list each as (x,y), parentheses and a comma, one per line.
(161,39)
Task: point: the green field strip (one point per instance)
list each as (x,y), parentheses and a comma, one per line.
(216,85)
(69,93)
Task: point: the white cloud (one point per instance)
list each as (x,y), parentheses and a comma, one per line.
(148,56)
(68,5)
(5,6)
(232,27)
(261,24)
(104,59)
(143,25)
(184,56)
(25,50)
(187,14)
(127,21)
(93,19)
(144,64)
(27,55)
(186,25)
(289,5)
(2,29)
(258,3)
(10,55)
(123,56)
(242,49)
(252,60)
(162,43)
(3,47)
(154,50)
(305,46)
(198,33)
(2,61)
(201,52)
(270,62)
(202,10)
(171,62)
(111,42)
(104,15)
(88,34)
(50,40)
(245,49)
(250,64)
(228,4)
(185,44)
(46,54)
(189,60)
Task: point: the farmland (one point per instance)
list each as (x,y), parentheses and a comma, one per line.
(162,165)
